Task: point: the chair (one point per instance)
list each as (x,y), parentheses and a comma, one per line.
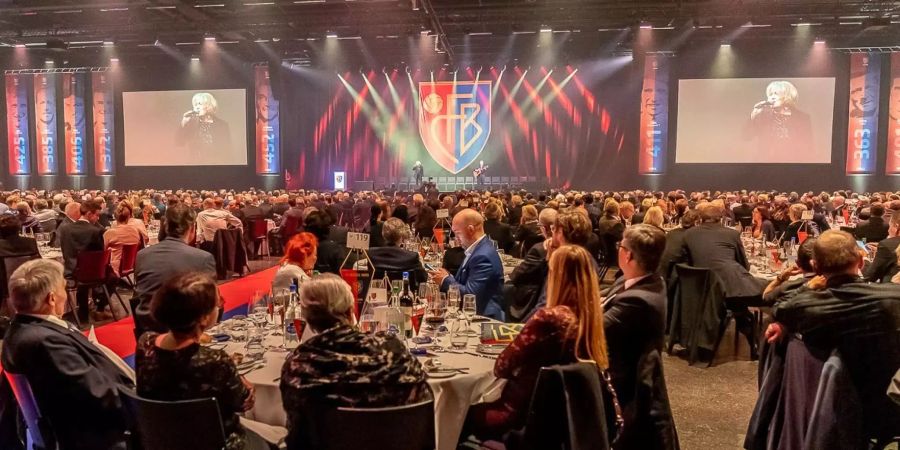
(409,427)
(48,226)
(39,429)
(699,317)
(126,264)
(570,409)
(259,232)
(180,425)
(92,271)
(229,252)
(289,227)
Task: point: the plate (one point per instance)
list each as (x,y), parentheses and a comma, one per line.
(447,374)
(488,349)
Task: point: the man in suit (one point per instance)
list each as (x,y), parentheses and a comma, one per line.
(171,256)
(528,278)
(743,212)
(11,244)
(395,260)
(515,211)
(76,386)
(840,311)
(71,214)
(609,229)
(329,254)
(674,243)
(634,322)
(481,272)
(884,264)
(874,229)
(85,234)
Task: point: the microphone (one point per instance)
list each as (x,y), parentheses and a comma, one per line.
(763,104)
(191,113)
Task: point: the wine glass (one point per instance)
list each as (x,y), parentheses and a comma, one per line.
(435,316)
(469,309)
(453,301)
(459,335)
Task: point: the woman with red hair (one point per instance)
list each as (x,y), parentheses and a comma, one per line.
(298,262)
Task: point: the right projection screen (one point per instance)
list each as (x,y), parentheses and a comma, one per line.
(755,120)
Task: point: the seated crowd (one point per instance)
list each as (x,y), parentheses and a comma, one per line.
(838,299)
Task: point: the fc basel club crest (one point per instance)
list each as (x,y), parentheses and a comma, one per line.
(455,121)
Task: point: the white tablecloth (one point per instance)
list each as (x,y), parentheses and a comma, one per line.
(452,396)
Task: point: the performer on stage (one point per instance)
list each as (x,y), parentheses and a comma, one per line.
(201,130)
(479,173)
(418,172)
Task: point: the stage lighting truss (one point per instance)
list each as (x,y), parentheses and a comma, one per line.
(57,70)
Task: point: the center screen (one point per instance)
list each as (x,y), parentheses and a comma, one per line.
(755,120)
(185,128)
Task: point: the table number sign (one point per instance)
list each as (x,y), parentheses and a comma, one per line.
(358,241)
(442,214)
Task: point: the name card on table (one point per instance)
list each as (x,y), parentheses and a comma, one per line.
(807,215)
(443,213)
(358,241)
(499,333)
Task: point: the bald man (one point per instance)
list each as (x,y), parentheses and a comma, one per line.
(481,272)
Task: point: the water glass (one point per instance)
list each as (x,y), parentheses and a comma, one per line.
(459,334)
(469,310)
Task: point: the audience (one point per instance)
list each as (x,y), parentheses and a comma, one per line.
(124,233)
(212,219)
(392,259)
(340,366)
(11,242)
(84,234)
(76,386)
(329,254)
(496,230)
(793,277)
(527,280)
(298,262)
(762,224)
(174,366)
(528,232)
(875,229)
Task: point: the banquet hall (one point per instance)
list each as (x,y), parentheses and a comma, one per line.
(450,224)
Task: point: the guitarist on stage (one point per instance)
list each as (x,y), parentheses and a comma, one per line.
(479,173)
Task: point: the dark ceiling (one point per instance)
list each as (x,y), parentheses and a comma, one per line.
(452,31)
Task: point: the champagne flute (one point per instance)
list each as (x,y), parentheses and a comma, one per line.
(469,309)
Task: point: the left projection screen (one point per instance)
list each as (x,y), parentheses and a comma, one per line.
(185,128)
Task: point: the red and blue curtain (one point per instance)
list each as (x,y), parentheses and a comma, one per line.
(73,85)
(654,116)
(862,127)
(104,123)
(268,128)
(18,142)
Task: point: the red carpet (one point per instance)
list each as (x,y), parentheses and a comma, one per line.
(119,336)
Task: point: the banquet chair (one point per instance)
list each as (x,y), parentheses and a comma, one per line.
(229,252)
(259,234)
(699,317)
(92,271)
(179,425)
(408,427)
(39,430)
(126,264)
(570,409)
(10,264)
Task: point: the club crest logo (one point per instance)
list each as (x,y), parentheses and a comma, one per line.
(455,121)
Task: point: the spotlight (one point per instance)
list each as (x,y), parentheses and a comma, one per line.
(156,43)
(195,58)
(49,62)
(20,45)
(546,29)
(108,43)
(819,42)
(331,35)
(645,26)
(209,38)
(114,60)
(725,45)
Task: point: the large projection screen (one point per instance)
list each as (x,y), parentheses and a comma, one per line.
(185,128)
(755,120)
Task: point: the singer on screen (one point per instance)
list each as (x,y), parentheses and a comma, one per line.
(777,124)
(201,130)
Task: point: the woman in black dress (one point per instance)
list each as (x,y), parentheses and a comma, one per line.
(174,366)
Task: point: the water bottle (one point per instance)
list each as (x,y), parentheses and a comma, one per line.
(291,316)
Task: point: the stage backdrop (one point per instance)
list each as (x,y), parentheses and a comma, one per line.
(548,124)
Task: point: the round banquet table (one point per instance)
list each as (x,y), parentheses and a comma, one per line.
(452,396)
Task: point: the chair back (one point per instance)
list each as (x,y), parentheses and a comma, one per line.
(697,311)
(48,226)
(229,252)
(10,264)
(38,427)
(91,266)
(258,228)
(289,227)
(409,427)
(571,408)
(129,258)
(180,425)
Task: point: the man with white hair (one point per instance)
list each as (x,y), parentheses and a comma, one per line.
(418,172)
(75,384)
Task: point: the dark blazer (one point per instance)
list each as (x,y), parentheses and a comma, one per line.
(74,383)
(610,230)
(527,281)
(884,265)
(527,235)
(16,245)
(63,220)
(376,236)
(75,238)
(154,266)
(280,208)
(515,216)
(329,257)
(500,232)
(673,254)
(481,275)
(394,261)
(250,212)
(743,213)
(718,248)
(873,230)
(634,323)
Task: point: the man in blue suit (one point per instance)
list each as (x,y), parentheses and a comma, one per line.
(481,272)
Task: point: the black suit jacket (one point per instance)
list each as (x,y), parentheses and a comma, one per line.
(74,383)
(610,230)
(155,265)
(673,254)
(634,324)
(873,230)
(719,249)
(884,265)
(16,245)
(75,238)
(515,216)
(395,261)
(329,257)
(527,281)
(500,232)
(744,214)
